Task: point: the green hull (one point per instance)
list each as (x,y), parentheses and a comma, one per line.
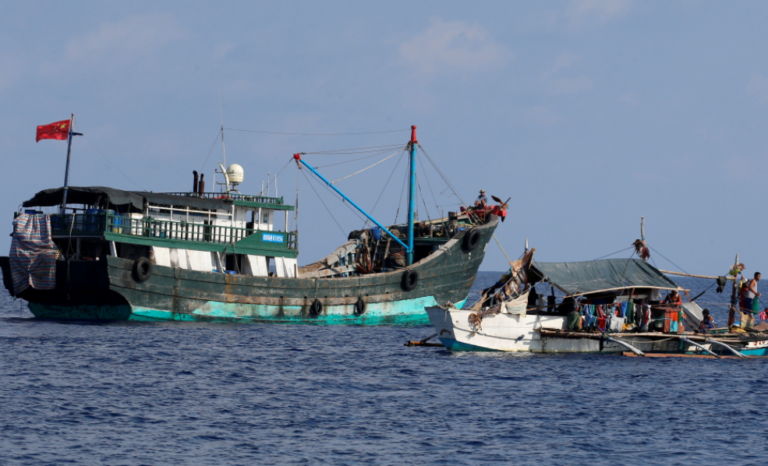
(108,290)
(399,314)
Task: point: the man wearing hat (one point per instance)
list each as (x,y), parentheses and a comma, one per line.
(481,199)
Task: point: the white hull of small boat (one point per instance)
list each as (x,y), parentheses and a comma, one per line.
(521,333)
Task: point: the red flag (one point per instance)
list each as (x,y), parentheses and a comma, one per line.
(58,130)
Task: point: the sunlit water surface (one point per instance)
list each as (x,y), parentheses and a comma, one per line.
(212,394)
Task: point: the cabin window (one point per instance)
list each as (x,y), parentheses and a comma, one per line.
(265,217)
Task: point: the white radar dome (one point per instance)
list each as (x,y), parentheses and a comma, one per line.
(235,173)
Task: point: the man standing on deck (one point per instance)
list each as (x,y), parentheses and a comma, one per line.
(751,303)
(752,293)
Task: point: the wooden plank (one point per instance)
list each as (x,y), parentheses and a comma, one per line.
(676,355)
(695,276)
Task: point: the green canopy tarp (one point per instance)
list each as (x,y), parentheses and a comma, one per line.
(577,278)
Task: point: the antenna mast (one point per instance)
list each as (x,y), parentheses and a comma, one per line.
(221,115)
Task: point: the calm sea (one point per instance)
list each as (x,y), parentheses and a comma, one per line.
(213,394)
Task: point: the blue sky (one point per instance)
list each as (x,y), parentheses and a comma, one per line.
(589,113)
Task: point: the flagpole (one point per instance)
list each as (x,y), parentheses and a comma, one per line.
(66,173)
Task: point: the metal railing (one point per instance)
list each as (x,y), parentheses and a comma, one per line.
(96,224)
(233,197)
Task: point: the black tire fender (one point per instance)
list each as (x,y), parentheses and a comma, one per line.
(471,240)
(360,306)
(410,280)
(316,308)
(142,269)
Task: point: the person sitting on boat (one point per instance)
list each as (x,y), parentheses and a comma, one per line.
(481,201)
(707,322)
(673,297)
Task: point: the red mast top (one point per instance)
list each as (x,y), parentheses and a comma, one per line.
(413,134)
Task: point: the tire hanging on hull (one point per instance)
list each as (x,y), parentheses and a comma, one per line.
(316,308)
(471,240)
(410,280)
(142,269)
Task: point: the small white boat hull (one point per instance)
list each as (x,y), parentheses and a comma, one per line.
(520,333)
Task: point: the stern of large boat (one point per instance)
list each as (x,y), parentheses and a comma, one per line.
(82,292)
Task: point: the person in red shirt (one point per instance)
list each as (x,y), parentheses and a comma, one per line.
(673,297)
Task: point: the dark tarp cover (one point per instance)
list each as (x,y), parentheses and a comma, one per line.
(576,278)
(90,196)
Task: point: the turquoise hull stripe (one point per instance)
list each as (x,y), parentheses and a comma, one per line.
(454,345)
(409,312)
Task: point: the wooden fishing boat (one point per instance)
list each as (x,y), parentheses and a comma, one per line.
(223,256)
(514,320)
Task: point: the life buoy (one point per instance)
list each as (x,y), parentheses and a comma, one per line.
(142,269)
(360,306)
(316,308)
(471,239)
(410,280)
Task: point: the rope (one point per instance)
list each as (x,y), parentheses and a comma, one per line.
(377,153)
(662,255)
(323,202)
(355,150)
(316,134)
(275,177)
(423,200)
(366,168)
(603,257)
(110,162)
(210,151)
(400,202)
(343,201)
(385,187)
(442,175)
(429,185)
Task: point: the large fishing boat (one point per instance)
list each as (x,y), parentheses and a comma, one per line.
(109,254)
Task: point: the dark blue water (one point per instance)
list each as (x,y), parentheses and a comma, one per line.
(212,394)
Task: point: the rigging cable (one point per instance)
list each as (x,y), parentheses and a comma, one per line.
(110,162)
(275,177)
(354,150)
(385,187)
(211,151)
(423,200)
(400,202)
(323,202)
(317,134)
(343,201)
(429,185)
(662,255)
(611,254)
(366,168)
(377,153)
(442,175)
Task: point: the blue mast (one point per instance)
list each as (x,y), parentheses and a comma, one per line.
(298,159)
(411,195)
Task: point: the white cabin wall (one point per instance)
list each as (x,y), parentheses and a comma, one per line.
(268,217)
(241,214)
